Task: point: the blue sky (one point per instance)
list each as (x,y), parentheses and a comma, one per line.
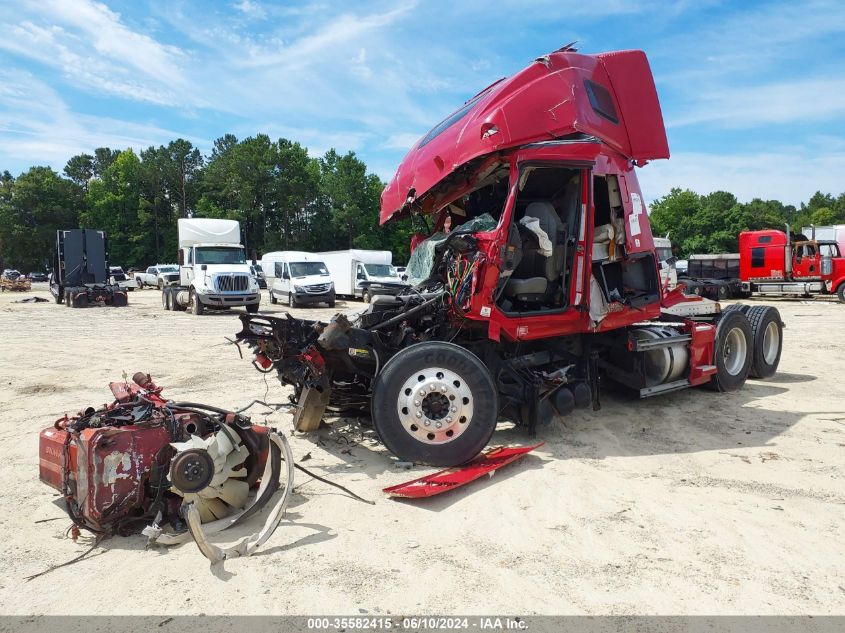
(753,93)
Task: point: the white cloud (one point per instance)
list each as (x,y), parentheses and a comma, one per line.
(37,126)
(789,174)
(250,9)
(402,140)
(781,102)
(94,49)
(325,41)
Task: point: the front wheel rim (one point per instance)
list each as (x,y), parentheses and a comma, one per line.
(435,406)
(735,351)
(771,343)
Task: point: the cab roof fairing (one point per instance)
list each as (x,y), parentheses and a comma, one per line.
(547,100)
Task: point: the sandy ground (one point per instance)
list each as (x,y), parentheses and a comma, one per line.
(691,503)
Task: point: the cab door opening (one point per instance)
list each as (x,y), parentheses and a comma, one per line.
(542,235)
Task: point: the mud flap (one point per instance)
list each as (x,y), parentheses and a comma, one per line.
(312,406)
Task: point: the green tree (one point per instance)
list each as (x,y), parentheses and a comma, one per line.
(103,158)
(183,168)
(80,169)
(352,198)
(32,207)
(238,184)
(114,205)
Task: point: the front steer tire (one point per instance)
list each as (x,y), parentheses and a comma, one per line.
(197,308)
(468,385)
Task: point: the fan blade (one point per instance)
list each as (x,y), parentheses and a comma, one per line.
(206,515)
(234,492)
(226,467)
(193,442)
(216,507)
(225,443)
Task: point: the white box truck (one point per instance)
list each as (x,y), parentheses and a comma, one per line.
(297,278)
(213,269)
(835,233)
(361,273)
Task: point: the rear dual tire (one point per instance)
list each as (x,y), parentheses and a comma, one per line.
(767,337)
(767,333)
(732,351)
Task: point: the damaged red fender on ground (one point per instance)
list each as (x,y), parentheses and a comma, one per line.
(451,478)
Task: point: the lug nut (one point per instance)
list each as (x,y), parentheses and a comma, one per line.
(427,423)
(449,420)
(433,387)
(454,409)
(419,415)
(438,425)
(422,393)
(443,388)
(416,403)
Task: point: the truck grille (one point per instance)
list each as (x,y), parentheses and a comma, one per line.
(232,283)
(317,289)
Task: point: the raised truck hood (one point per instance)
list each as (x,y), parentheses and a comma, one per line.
(558,95)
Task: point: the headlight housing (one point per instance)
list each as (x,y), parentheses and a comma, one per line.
(298,289)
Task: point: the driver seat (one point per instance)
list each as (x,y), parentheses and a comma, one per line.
(535,272)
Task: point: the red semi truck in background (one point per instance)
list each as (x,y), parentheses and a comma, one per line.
(776,263)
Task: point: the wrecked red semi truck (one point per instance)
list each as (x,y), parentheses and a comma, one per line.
(546,287)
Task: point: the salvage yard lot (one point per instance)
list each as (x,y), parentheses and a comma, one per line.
(691,503)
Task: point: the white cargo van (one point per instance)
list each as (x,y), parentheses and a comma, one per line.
(361,273)
(297,278)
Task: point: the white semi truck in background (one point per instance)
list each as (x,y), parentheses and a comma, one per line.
(213,270)
(361,273)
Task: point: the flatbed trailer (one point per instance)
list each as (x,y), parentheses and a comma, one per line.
(715,276)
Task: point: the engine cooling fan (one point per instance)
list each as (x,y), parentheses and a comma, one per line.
(209,473)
